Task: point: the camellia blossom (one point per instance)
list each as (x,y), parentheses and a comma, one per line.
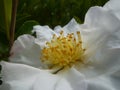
(74,57)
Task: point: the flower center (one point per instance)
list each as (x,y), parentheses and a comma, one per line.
(63,50)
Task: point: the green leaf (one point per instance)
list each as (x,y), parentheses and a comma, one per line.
(4,46)
(26,28)
(5,15)
(78,19)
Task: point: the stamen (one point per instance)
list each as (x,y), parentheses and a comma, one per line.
(61,33)
(63,51)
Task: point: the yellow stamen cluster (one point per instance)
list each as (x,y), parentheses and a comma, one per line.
(63,50)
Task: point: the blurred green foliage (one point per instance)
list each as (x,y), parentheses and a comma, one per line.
(5,16)
(5,19)
(54,12)
(44,12)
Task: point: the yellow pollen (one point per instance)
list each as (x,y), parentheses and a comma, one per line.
(63,50)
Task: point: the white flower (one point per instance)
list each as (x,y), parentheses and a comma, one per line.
(91,54)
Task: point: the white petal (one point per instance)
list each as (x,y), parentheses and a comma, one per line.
(58,29)
(98,23)
(75,79)
(104,83)
(44,33)
(48,83)
(114,7)
(25,51)
(115,80)
(71,27)
(45,82)
(101,36)
(117,74)
(23,77)
(69,80)
(63,85)
(98,17)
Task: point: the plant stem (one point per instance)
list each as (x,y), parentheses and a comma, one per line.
(13,21)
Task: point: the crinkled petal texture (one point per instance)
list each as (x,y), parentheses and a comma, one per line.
(24,77)
(101,37)
(26,51)
(114,7)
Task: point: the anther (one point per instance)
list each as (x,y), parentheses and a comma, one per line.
(63,51)
(61,32)
(54,36)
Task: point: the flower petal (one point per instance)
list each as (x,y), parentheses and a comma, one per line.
(57,29)
(23,77)
(98,17)
(44,33)
(71,27)
(70,80)
(103,83)
(75,79)
(101,38)
(116,74)
(114,7)
(115,79)
(47,83)
(99,22)
(25,51)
